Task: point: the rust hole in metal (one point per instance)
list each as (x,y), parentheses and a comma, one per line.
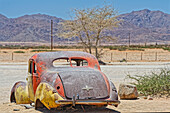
(58,87)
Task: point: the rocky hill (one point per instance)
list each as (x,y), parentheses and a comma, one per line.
(143,26)
(28,28)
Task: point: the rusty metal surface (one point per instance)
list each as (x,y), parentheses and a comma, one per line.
(47,95)
(20,93)
(90,102)
(47,58)
(87,83)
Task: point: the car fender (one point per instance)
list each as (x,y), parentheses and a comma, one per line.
(113,91)
(47,95)
(19,93)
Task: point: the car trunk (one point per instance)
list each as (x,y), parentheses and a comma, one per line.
(88,84)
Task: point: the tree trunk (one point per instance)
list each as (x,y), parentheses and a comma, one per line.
(90,50)
(96,51)
(96,47)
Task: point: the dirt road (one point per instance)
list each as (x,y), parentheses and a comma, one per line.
(13,72)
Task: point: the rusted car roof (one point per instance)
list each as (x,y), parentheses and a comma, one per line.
(65,54)
(48,57)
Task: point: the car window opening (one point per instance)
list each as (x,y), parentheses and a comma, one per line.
(61,62)
(79,62)
(35,68)
(32,67)
(65,62)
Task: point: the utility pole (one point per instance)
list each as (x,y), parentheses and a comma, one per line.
(51,35)
(129,39)
(145,40)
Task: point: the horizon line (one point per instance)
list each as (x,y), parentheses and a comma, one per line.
(48,14)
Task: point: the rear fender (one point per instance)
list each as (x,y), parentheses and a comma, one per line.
(47,95)
(19,93)
(113,92)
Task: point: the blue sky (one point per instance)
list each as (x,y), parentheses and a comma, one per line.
(62,8)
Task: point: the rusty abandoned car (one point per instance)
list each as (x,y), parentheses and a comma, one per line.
(58,79)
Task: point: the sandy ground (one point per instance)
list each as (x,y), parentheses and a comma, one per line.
(13,72)
(148,55)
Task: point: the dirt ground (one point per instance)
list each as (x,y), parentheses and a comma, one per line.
(13,72)
(148,55)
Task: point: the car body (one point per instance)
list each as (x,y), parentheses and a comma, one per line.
(79,81)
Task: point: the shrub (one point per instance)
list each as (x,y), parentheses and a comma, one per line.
(42,50)
(123,60)
(138,49)
(19,52)
(4,52)
(123,48)
(153,84)
(112,48)
(166,48)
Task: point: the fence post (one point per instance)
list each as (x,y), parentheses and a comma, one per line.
(156,56)
(12,56)
(126,55)
(141,56)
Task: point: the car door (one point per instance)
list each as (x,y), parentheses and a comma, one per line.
(35,76)
(30,80)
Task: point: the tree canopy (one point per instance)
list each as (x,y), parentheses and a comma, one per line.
(90,25)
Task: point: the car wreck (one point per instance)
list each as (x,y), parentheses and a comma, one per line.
(57,79)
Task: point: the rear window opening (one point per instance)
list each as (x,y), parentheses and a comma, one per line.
(65,62)
(61,62)
(79,62)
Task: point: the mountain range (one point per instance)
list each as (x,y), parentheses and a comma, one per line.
(141,26)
